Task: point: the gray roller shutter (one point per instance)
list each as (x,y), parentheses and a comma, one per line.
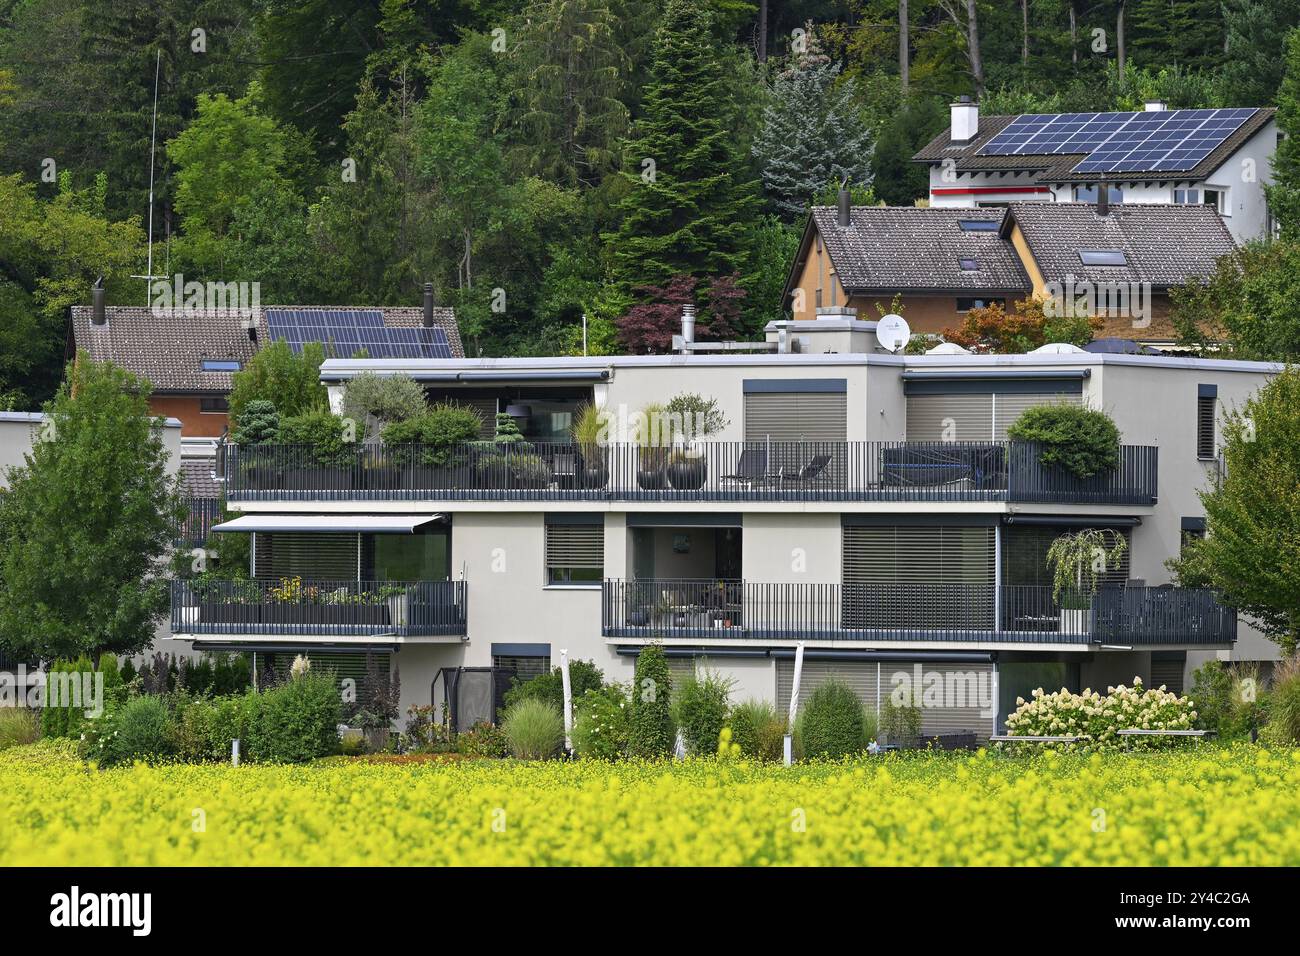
(950,417)
(796,416)
(486,410)
(922,576)
(1167,669)
(860,676)
(1008,406)
(325,557)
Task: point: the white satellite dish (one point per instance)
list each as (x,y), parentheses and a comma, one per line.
(892,332)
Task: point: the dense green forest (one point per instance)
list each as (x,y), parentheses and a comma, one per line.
(535,161)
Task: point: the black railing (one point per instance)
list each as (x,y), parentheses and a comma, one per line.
(200,515)
(704,471)
(1022,614)
(293,606)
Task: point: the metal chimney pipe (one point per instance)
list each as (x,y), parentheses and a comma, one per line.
(845,217)
(97,314)
(428,305)
(1103,198)
(688,327)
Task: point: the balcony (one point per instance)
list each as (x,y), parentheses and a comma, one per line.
(291,606)
(947,613)
(706,471)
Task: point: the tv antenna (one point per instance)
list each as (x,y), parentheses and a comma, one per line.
(149,277)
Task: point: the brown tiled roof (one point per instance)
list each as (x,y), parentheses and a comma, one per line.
(1060,168)
(197,480)
(169,350)
(890,249)
(1164,244)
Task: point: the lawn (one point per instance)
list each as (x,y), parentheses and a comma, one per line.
(1207,806)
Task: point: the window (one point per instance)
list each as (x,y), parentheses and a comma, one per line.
(1206,398)
(524,666)
(978,225)
(1194,197)
(1102,257)
(1193,529)
(969,265)
(1187,196)
(965,305)
(1217,198)
(221,365)
(214,405)
(575,551)
(1089,194)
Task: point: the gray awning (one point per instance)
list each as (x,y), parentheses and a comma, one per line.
(1077,521)
(336,523)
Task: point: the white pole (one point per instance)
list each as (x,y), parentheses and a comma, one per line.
(794,704)
(568,701)
(584,335)
(234,752)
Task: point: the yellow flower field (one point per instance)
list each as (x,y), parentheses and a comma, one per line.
(1210,806)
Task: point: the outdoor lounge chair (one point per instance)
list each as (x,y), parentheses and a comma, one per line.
(810,472)
(751,467)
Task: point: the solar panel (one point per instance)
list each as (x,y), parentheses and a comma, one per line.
(346,332)
(1163,140)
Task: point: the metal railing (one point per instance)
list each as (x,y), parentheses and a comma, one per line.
(293,606)
(703,471)
(1026,614)
(201,514)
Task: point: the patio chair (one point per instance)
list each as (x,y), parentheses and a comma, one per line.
(564,469)
(809,472)
(750,467)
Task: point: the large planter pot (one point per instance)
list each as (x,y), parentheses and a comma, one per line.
(688,475)
(1076,620)
(399,610)
(651,479)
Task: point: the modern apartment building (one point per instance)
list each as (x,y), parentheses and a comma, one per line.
(866,504)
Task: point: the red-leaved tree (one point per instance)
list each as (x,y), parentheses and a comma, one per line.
(649,326)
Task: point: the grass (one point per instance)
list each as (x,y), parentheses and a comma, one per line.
(1209,805)
(18,726)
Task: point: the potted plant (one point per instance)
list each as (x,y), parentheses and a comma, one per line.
(588,433)
(652,453)
(1077,560)
(688,469)
(691,418)
(1083,441)
(398,598)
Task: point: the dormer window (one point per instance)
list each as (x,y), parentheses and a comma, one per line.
(1102,257)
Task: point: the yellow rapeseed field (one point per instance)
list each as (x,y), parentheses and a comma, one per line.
(1212,805)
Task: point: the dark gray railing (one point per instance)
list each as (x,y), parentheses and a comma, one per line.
(289,606)
(200,515)
(1026,614)
(704,471)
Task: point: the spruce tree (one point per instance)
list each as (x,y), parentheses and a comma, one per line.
(1284,194)
(690,201)
(812,136)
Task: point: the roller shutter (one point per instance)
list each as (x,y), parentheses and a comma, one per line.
(1008,406)
(975,416)
(923,576)
(962,697)
(796,416)
(1167,669)
(325,557)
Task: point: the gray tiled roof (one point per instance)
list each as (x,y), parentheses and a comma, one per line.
(169,350)
(1059,169)
(197,480)
(1164,244)
(906,249)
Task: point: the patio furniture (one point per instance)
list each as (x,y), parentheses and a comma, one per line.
(750,467)
(810,472)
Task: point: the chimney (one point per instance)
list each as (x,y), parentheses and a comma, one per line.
(428,305)
(251,326)
(1103,198)
(97,315)
(845,208)
(965,120)
(1155,106)
(688,327)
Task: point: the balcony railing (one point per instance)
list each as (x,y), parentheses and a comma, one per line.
(956,612)
(319,608)
(705,471)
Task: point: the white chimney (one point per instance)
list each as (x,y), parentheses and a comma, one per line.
(965,120)
(688,327)
(1155,106)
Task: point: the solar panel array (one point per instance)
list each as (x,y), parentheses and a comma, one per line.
(1158,141)
(347,331)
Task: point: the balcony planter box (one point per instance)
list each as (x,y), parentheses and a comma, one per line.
(430,477)
(217,613)
(382,479)
(318,479)
(595,476)
(377,738)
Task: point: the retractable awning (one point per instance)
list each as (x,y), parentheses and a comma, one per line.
(342,524)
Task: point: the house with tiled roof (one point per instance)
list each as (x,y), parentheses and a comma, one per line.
(1217,157)
(1117,262)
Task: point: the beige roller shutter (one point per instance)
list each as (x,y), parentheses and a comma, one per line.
(950,417)
(859,675)
(796,416)
(1007,407)
(325,557)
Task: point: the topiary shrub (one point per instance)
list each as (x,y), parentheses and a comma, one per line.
(700,706)
(258,424)
(373,401)
(832,722)
(651,733)
(1083,441)
(757,730)
(295,721)
(534,729)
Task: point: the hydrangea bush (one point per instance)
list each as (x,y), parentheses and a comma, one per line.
(1097,718)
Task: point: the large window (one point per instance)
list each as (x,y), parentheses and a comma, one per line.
(410,557)
(575,552)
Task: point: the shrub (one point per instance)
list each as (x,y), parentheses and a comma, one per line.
(206,726)
(603,723)
(549,687)
(1212,696)
(66,717)
(482,740)
(1081,440)
(1096,718)
(697,416)
(870,726)
(651,733)
(141,730)
(832,722)
(259,424)
(758,730)
(1284,704)
(441,429)
(324,432)
(19,726)
(700,706)
(899,723)
(295,721)
(373,401)
(534,729)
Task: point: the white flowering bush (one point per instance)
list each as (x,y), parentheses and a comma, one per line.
(1096,718)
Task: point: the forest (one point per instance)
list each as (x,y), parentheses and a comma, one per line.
(536,161)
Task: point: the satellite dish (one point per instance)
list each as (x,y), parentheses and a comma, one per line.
(892,332)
